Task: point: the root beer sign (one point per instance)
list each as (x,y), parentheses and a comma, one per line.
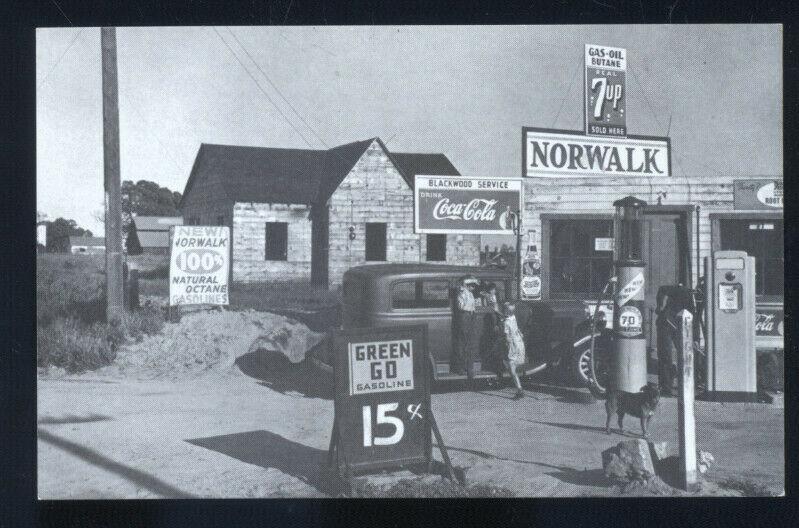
(454,204)
(198,265)
(382,397)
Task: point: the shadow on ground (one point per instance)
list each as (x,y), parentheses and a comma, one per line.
(135,476)
(588,477)
(590,428)
(270,450)
(73,419)
(274,370)
(319,321)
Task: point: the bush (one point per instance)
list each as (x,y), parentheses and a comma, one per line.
(69,286)
(159,272)
(145,321)
(70,303)
(69,344)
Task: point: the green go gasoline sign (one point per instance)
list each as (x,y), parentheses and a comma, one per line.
(382,398)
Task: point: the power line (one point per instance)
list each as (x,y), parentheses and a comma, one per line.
(57,62)
(568,91)
(261,88)
(158,139)
(277,89)
(651,109)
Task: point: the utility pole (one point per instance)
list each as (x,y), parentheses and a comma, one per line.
(113,202)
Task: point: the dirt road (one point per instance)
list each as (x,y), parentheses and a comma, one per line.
(232,435)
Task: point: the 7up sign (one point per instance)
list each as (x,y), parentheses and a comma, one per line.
(605,93)
(198,265)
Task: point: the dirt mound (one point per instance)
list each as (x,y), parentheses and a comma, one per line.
(206,342)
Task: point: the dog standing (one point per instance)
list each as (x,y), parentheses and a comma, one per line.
(642,405)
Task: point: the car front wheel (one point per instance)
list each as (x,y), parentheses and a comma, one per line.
(581,366)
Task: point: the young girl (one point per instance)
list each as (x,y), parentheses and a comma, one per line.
(492,330)
(515,341)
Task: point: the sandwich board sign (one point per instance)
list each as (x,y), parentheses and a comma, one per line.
(199,261)
(382,399)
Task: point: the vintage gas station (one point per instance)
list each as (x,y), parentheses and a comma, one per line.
(619,231)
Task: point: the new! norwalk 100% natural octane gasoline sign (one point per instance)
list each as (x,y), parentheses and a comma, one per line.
(198,265)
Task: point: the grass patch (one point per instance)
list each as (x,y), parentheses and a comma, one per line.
(159,272)
(70,314)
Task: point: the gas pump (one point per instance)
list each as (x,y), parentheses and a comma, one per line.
(628,368)
(731,356)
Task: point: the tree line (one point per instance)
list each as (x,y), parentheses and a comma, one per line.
(142,198)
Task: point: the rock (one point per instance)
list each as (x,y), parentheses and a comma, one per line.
(654,486)
(629,460)
(705,457)
(704,460)
(659,451)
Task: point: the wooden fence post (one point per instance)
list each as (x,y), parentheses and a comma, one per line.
(685,404)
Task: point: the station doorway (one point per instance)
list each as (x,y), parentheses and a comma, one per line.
(578,261)
(666,248)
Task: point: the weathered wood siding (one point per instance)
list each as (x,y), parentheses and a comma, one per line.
(374,191)
(713,194)
(249,242)
(206,201)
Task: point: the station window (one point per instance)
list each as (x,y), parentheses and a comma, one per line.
(420,294)
(220,220)
(579,264)
(375,241)
(277,241)
(762,239)
(436,248)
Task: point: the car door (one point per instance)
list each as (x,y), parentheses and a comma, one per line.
(426,301)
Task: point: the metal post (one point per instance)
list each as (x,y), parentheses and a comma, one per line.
(113,201)
(685,404)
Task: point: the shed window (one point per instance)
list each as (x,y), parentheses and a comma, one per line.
(436,248)
(420,294)
(376,241)
(762,239)
(277,241)
(579,267)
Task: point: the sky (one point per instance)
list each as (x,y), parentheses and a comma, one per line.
(465,91)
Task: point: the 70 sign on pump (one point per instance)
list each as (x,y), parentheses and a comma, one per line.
(199,262)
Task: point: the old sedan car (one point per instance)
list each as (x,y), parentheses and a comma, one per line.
(408,294)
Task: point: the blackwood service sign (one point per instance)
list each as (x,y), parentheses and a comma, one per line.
(454,204)
(382,398)
(198,265)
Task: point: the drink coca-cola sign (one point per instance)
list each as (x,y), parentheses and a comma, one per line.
(453,204)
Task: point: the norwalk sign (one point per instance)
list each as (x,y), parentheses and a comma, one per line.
(561,153)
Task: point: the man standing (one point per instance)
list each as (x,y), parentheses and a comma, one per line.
(464,325)
(671,300)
